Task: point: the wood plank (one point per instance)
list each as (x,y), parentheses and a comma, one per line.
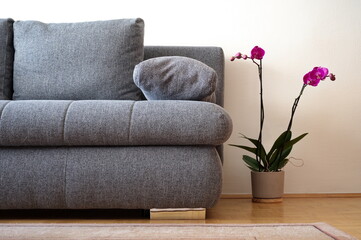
(298,195)
(267,200)
(323,195)
(178,214)
(343,213)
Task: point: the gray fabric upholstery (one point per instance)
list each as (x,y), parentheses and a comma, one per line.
(2,106)
(33,123)
(211,56)
(111,122)
(175,78)
(109,177)
(178,173)
(179,123)
(71,61)
(32,178)
(98,123)
(6,58)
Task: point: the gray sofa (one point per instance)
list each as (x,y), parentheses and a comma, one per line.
(72,137)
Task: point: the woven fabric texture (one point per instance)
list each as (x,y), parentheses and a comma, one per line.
(72,61)
(211,56)
(175,78)
(6,58)
(109,177)
(111,122)
(65,150)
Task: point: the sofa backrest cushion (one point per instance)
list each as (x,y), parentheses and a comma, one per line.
(72,61)
(6,58)
(175,78)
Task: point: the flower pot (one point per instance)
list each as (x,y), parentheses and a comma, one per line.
(267,187)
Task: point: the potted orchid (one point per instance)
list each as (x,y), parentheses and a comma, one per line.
(268,165)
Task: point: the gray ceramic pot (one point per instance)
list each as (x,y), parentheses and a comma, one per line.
(267,185)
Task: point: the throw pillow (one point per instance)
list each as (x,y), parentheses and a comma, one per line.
(6,59)
(73,61)
(175,78)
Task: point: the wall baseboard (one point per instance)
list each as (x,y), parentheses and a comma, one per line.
(298,195)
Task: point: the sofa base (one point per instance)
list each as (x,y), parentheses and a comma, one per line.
(142,177)
(178,214)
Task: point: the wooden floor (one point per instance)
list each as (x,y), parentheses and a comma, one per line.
(342,213)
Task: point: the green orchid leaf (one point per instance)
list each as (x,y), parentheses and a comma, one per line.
(258,150)
(252,163)
(249,149)
(283,163)
(277,158)
(285,146)
(279,165)
(254,141)
(295,140)
(261,152)
(284,137)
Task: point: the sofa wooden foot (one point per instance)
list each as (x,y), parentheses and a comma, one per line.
(177,213)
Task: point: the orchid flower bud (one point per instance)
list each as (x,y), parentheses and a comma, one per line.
(332,76)
(238,55)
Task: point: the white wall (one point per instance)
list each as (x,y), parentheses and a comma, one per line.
(296,35)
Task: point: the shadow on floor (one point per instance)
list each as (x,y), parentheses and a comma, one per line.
(75,214)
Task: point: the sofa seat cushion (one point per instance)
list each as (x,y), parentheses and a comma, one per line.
(77,61)
(112,123)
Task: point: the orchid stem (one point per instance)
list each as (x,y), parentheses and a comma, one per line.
(259,147)
(295,104)
(294,107)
